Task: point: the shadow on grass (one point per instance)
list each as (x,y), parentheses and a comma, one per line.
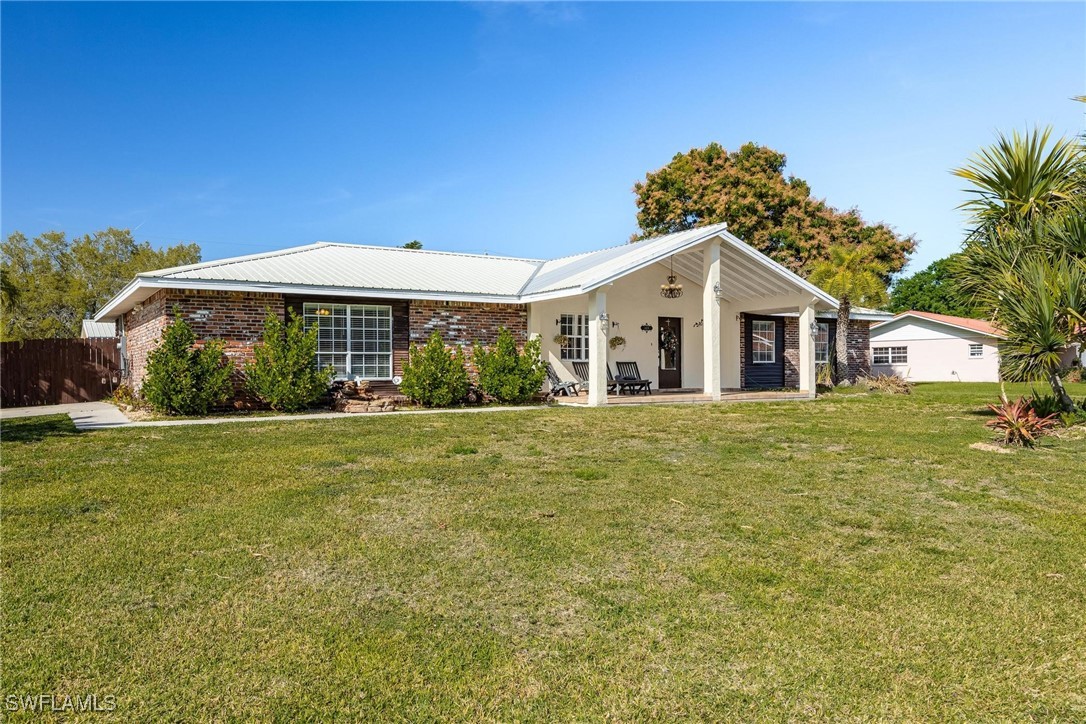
(36,429)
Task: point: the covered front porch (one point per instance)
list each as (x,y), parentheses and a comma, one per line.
(689,396)
(724,335)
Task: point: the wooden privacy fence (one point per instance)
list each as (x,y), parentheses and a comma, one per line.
(58,371)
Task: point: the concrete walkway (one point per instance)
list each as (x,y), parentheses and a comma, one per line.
(101,415)
(85,415)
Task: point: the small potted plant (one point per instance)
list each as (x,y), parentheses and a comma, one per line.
(617,342)
(561,340)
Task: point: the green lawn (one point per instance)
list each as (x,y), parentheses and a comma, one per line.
(848,558)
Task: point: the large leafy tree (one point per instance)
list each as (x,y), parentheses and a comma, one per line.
(51,282)
(853,276)
(1024,262)
(933,289)
(774,213)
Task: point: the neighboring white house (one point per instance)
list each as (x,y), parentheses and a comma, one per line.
(926,347)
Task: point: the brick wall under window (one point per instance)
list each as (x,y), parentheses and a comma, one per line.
(235,318)
(465,323)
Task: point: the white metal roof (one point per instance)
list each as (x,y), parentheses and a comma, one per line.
(367,267)
(393,272)
(98,330)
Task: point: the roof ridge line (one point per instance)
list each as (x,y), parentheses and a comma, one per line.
(434,251)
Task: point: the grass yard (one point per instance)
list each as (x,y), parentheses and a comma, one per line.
(848,558)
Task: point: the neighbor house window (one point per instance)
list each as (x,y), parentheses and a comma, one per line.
(889,355)
(976,351)
(355,339)
(575,329)
(763,347)
(822,343)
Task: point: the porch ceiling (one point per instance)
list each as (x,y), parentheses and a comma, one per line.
(741,278)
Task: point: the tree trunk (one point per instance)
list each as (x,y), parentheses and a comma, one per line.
(841,343)
(1060,391)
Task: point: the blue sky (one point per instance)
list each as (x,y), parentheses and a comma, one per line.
(506,128)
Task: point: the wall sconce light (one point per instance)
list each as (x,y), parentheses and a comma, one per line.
(604,317)
(717,291)
(814,328)
(646,327)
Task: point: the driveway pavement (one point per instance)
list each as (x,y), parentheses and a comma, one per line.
(85,415)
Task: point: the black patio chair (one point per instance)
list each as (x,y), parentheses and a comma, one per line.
(581,368)
(558,385)
(629,378)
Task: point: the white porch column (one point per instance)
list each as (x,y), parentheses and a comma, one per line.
(535,324)
(710,309)
(807,373)
(597,347)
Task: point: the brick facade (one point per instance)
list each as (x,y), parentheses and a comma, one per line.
(859,358)
(235,318)
(465,323)
(791,352)
(859,349)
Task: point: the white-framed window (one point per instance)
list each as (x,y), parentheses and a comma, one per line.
(355,339)
(976,351)
(890,355)
(822,343)
(763,344)
(575,328)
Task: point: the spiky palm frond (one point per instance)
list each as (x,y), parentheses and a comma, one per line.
(1042,311)
(1021,178)
(986,259)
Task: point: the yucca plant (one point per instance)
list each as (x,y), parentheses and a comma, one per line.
(1018,423)
(1024,264)
(1021,178)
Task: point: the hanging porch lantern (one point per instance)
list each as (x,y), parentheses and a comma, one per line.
(671,290)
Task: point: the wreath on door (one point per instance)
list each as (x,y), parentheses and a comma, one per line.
(669,341)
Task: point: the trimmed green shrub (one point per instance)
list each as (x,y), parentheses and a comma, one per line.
(183,379)
(284,373)
(434,376)
(505,373)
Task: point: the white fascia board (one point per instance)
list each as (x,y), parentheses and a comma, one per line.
(738,244)
(906,316)
(107,309)
(157,283)
(552,294)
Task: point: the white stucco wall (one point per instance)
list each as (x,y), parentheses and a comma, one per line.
(937,353)
(632,301)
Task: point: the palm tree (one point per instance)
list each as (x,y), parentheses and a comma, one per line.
(1039,327)
(1025,262)
(1021,179)
(853,276)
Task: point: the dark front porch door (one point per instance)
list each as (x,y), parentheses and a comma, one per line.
(671,352)
(763,354)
